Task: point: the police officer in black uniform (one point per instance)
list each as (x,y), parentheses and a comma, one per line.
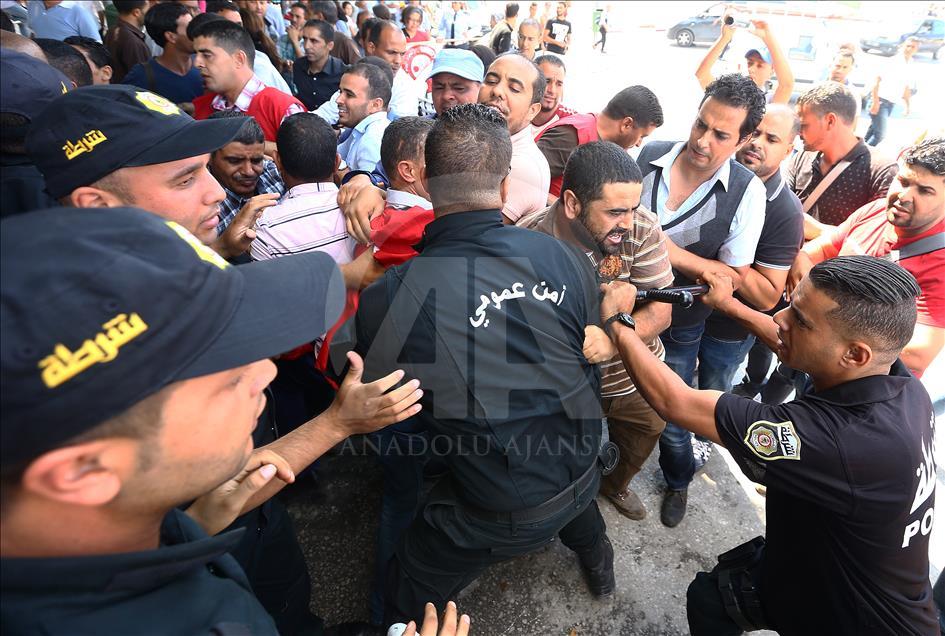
(511,405)
(848,466)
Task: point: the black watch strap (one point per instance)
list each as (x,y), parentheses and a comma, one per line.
(623,318)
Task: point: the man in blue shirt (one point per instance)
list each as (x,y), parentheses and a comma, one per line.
(56,21)
(171,74)
(362,106)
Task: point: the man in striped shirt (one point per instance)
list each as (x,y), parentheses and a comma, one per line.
(307,217)
(599,212)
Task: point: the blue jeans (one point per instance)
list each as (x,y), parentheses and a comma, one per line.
(402,457)
(718,362)
(877,130)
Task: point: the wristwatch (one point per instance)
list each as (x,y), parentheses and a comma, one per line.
(623,318)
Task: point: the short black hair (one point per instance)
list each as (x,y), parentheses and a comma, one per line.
(593,165)
(229,36)
(511,10)
(554,60)
(638,102)
(403,141)
(364,31)
(328,9)
(485,54)
(379,86)
(199,20)
(374,36)
(124,7)
(875,299)
(468,153)
(382,12)
(215,6)
(307,147)
(163,18)
(739,91)
(380,63)
(830,97)
(66,60)
(93,48)
(326,30)
(251,132)
(928,154)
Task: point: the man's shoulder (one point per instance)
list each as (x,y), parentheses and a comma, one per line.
(785,205)
(880,161)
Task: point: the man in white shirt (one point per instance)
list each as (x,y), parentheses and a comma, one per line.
(307,217)
(894,85)
(387,42)
(363,98)
(514,86)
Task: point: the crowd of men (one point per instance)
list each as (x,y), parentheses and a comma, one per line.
(233,236)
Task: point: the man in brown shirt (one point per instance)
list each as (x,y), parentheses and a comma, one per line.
(599,212)
(125,40)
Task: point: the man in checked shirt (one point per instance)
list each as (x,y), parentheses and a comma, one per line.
(599,212)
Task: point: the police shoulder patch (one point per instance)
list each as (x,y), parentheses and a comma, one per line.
(773,440)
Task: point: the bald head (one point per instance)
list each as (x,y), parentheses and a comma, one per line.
(21,44)
(772,143)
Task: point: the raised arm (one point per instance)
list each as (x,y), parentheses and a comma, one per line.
(778,61)
(704,71)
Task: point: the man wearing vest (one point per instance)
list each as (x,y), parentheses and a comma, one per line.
(712,209)
(225,57)
(629,117)
(908,226)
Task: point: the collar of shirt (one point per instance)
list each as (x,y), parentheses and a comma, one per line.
(407,199)
(183,546)
(309,188)
(370,119)
(868,390)
(127,26)
(859,149)
(459,225)
(666,163)
(253,87)
(774,185)
(333,66)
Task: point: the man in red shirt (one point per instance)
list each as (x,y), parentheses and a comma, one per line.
(908,227)
(225,55)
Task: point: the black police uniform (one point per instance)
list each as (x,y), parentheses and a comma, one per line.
(850,490)
(190,585)
(510,403)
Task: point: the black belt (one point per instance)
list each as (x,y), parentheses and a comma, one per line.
(562,501)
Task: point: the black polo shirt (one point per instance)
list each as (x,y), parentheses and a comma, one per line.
(190,585)
(850,478)
(490,318)
(781,238)
(315,90)
(866,179)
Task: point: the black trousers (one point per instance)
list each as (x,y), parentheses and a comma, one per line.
(445,549)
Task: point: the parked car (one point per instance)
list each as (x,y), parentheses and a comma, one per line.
(930,32)
(704,28)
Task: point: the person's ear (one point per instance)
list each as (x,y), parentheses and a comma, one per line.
(377,104)
(89,474)
(626,125)
(533,111)
(572,207)
(857,355)
(331,46)
(503,190)
(337,161)
(89,197)
(278,161)
(107,72)
(241,58)
(405,171)
(424,180)
(830,119)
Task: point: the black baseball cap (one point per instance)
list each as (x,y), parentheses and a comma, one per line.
(93,131)
(100,310)
(28,85)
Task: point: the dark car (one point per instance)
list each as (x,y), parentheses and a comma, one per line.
(930,33)
(704,28)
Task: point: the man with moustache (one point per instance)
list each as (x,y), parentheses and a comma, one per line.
(763,283)
(712,209)
(599,212)
(317,74)
(908,227)
(552,109)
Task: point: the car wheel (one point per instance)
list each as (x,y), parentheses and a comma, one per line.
(684,38)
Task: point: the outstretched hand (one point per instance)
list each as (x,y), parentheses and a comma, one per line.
(364,408)
(241,232)
(360,201)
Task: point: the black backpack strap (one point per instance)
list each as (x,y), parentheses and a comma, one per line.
(925,245)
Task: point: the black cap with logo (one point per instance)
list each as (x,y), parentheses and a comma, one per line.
(99,311)
(93,131)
